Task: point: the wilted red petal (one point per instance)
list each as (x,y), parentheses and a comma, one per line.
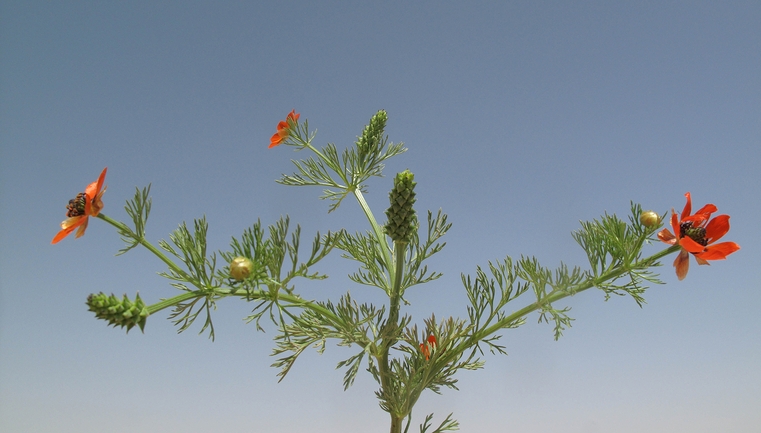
(82,227)
(682,264)
(718,251)
(97,204)
(666,236)
(716,228)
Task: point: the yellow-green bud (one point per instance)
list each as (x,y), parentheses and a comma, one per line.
(241,268)
(649,218)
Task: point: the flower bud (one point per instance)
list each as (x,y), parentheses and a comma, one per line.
(428,346)
(241,268)
(649,218)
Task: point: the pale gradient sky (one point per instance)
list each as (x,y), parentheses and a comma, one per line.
(522,118)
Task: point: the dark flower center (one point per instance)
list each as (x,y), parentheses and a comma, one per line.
(697,234)
(76,206)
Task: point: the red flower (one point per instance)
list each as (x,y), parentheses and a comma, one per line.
(696,235)
(284,128)
(427,346)
(81,208)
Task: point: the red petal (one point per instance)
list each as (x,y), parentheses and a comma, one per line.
(94,188)
(716,228)
(675,222)
(275,140)
(62,234)
(425,350)
(707,210)
(718,251)
(68,226)
(92,191)
(687,206)
(701,217)
(690,245)
(697,220)
(682,264)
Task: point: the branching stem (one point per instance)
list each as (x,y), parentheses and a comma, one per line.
(551,297)
(124,229)
(218,291)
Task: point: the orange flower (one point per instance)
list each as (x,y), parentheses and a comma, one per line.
(427,346)
(284,128)
(696,235)
(80,209)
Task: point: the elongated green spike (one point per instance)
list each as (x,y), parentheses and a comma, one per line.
(372,135)
(119,312)
(401,215)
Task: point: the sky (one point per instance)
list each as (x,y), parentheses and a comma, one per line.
(521,119)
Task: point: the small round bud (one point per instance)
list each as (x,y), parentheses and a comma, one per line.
(240,268)
(649,218)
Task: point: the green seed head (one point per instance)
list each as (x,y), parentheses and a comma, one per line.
(372,135)
(119,312)
(401,215)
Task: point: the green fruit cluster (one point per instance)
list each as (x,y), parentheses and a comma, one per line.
(119,312)
(401,215)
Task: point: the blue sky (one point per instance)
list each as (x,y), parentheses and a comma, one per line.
(521,119)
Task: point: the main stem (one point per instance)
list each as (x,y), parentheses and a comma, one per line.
(395,266)
(390,338)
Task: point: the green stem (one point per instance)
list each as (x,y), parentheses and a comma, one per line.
(259,294)
(290,299)
(556,296)
(380,235)
(166,303)
(390,336)
(377,229)
(396,424)
(123,228)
